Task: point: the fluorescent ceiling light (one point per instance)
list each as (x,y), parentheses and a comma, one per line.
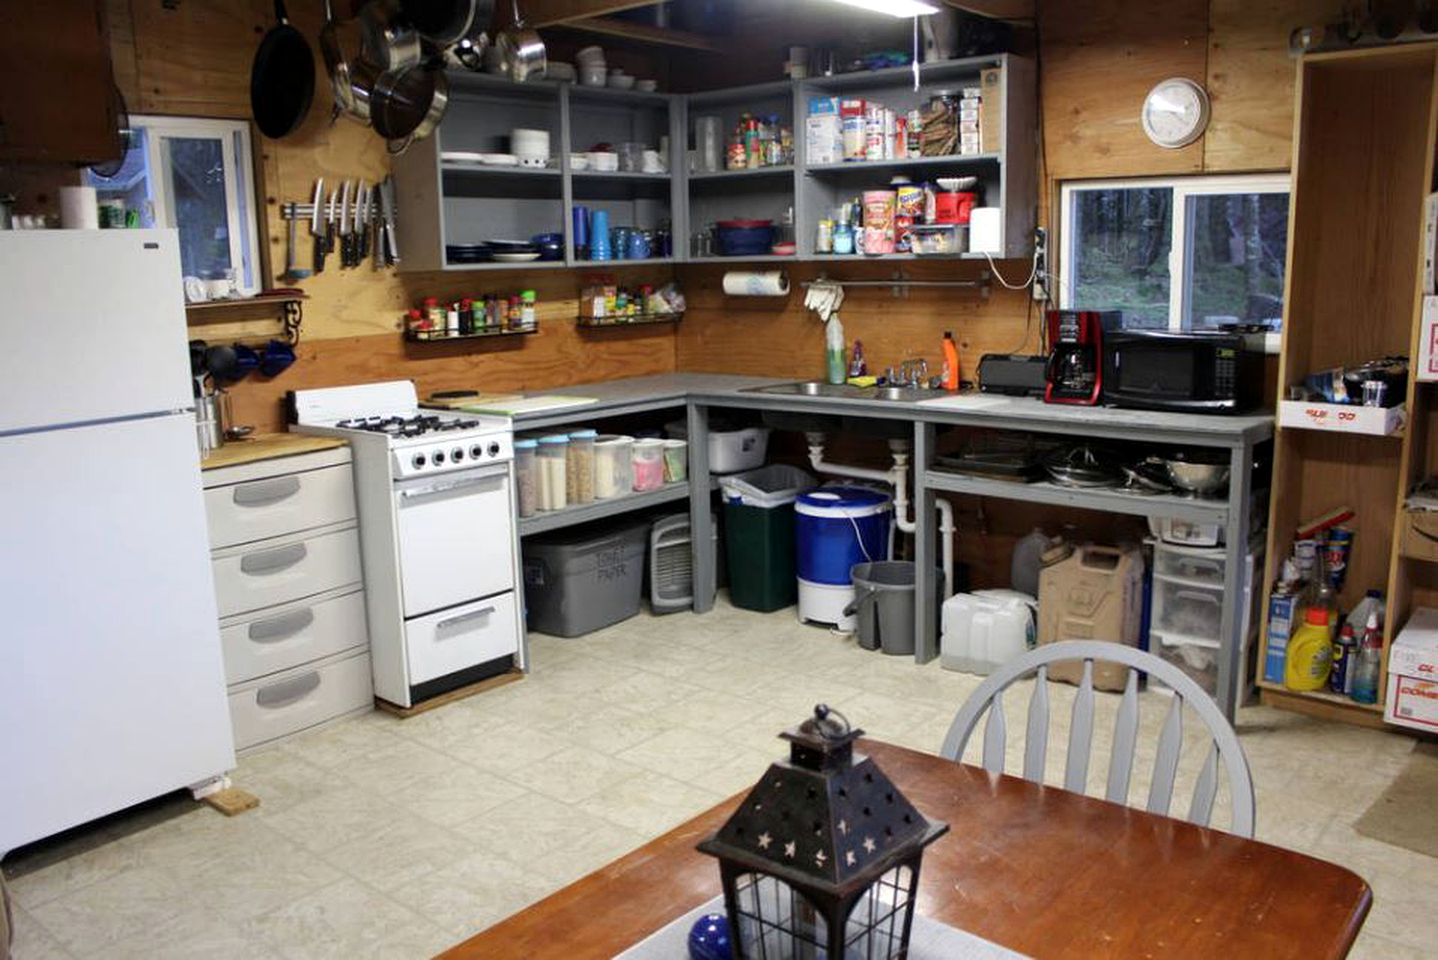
(894,8)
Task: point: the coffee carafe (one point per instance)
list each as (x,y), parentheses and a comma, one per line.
(1075,367)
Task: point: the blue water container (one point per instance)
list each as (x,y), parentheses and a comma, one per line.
(837,527)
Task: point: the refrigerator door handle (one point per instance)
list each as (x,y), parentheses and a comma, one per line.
(286,692)
(266,562)
(262,493)
(286,625)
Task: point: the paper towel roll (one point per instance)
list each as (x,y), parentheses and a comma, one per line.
(756,283)
(79,208)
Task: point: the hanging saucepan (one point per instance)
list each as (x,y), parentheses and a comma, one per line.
(469,51)
(523,51)
(445,22)
(408,105)
(351,76)
(390,42)
(282,78)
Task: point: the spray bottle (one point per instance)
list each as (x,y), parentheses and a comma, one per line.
(834,349)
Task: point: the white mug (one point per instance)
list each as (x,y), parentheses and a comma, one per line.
(219,289)
(195,290)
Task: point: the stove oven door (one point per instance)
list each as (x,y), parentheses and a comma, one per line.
(456,538)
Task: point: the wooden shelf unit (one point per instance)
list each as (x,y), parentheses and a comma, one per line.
(1366,122)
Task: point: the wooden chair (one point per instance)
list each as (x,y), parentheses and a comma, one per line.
(1225,746)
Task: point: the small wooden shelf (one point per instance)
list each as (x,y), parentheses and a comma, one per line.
(777,170)
(924,163)
(607,323)
(244,308)
(423,337)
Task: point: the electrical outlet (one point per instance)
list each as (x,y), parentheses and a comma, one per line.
(1041,265)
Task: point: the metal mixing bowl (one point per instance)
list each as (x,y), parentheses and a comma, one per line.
(1199,478)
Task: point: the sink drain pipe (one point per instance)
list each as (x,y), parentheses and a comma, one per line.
(897,477)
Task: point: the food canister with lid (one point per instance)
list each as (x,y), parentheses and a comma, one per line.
(553,450)
(648,459)
(613,472)
(526,476)
(579,466)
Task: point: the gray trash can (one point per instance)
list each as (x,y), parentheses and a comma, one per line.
(884,605)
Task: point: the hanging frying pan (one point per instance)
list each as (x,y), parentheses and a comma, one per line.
(282,78)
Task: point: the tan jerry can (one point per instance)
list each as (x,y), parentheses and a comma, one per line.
(1096,593)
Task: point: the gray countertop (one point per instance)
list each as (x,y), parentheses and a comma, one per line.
(726,390)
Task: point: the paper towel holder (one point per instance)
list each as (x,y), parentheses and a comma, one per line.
(899,285)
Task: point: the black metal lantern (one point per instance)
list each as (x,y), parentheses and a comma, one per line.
(821,860)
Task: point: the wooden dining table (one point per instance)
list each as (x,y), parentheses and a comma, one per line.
(1037,869)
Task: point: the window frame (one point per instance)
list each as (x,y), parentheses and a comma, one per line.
(236,148)
(1180,253)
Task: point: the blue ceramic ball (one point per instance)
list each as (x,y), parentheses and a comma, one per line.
(709,938)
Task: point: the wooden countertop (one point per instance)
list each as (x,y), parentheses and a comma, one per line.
(1036,869)
(266,446)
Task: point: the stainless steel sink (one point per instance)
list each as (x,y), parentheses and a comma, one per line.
(811,388)
(898,393)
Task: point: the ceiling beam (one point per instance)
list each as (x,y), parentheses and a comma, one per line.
(998,9)
(644,33)
(549,13)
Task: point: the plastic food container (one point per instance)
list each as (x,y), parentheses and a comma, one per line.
(613,470)
(551,461)
(676,460)
(937,239)
(526,476)
(648,459)
(579,467)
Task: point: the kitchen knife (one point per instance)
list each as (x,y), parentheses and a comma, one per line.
(345,224)
(386,197)
(316,215)
(362,218)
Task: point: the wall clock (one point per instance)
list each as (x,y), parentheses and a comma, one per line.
(1175,112)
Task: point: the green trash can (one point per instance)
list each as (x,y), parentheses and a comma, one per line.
(759,535)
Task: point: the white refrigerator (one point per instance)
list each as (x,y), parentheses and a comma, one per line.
(111,682)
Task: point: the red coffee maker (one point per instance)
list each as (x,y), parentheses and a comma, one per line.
(1075,367)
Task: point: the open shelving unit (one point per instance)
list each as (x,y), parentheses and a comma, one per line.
(1366,126)
(449,202)
(599,509)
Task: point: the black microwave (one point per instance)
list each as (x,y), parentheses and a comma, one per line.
(1216,372)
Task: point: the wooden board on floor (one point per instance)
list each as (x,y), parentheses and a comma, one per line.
(459,693)
(232,801)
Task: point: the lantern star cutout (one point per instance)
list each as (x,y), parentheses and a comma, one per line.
(790,848)
(849,857)
(819,858)
(844,827)
(765,840)
(869,845)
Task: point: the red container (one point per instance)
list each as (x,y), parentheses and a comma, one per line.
(953,207)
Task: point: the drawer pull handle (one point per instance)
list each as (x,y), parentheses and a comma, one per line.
(273,561)
(262,493)
(464,618)
(286,692)
(283,627)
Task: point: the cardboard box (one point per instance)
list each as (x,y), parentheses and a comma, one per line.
(991,126)
(1281,611)
(1430,243)
(1412,699)
(823,137)
(1341,417)
(1427,366)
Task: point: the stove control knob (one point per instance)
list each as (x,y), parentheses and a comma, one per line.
(437,457)
(476,452)
(456,455)
(494,448)
(418,461)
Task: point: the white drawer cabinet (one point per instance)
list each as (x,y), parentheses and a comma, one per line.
(277,706)
(293,634)
(285,553)
(462,636)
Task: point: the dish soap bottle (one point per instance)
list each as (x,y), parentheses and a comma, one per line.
(1310,653)
(834,349)
(858,367)
(951,362)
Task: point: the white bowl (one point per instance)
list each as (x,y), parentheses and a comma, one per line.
(621,81)
(647,86)
(590,56)
(563,72)
(579,161)
(592,76)
(604,160)
(529,142)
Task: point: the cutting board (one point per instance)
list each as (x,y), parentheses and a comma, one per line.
(966,401)
(510,404)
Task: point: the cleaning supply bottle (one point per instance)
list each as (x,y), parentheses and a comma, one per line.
(951,362)
(858,367)
(1369,662)
(1310,652)
(834,349)
(1345,651)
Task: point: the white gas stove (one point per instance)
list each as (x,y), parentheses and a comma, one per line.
(441,554)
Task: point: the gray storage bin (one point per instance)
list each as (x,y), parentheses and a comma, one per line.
(576,582)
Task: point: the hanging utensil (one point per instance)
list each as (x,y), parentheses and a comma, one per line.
(351,76)
(386,199)
(391,43)
(317,235)
(408,106)
(522,49)
(282,78)
(445,22)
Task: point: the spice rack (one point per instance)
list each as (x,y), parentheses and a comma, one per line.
(425,336)
(604,323)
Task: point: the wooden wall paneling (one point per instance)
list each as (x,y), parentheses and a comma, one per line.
(193,58)
(1251,80)
(1098,63)
(121,25)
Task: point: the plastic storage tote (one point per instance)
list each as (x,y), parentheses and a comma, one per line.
(759,535)
(585,578)
(613,469)
(730,449)
(837,527)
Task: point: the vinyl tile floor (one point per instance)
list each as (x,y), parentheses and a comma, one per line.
(379,837)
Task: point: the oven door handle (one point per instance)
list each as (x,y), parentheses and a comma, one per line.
(465,617)
(449,486)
